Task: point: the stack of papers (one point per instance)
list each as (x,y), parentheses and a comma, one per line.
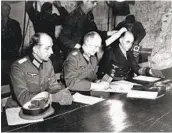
(146,78)
(121,86)
(13,117)
(90,100)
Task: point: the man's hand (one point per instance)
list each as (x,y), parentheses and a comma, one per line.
(122,30)
(99,86)
(110,33)
(115,36)
(63,97)
(156,73)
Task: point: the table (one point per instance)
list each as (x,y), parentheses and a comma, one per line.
(118,114)
(59,110)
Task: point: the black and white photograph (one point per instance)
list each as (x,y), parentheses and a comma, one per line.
(86,66)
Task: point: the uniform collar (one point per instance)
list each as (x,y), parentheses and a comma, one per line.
(86,57)
(35,62)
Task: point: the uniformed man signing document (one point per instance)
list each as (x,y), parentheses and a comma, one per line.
(80,67)
(34,74)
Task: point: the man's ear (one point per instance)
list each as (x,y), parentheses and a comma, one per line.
(35,49)
(120,40)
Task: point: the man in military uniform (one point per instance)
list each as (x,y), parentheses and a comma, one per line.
(80,67)
(79,22)
(118,61)
(138,31)
(34,74)
(11,39)
(11,34)
(48,22)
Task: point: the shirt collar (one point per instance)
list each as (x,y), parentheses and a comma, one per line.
(35,62)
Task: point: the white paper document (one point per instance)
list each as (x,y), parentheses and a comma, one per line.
(86,99)
(142,94)
(121,86)
(146,78)
(13,117)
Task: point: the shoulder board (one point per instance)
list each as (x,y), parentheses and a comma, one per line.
(22,60)
(74,53)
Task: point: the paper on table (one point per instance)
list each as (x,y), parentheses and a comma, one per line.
(121,86)
(142,94)
(146,78)
(13,117)
(86,99)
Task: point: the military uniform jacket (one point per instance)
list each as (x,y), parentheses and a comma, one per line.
(29,78)
(78,72)
(78,24)
(125,67)
(11,39)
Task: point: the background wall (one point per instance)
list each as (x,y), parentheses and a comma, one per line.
(156,17)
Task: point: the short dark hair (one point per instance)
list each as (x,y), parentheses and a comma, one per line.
(5,4)
(46,6)
(35,40)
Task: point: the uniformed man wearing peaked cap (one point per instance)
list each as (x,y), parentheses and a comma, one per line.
(34,74)
(119,63)
(80,67)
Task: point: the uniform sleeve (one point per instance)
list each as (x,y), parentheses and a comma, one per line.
(32,13)
(69,36)
(19,85)
(136,68)
(119,26)
(140,32)
(54,86)
(18,36)
(72,76)
(134,65)
(104,63)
